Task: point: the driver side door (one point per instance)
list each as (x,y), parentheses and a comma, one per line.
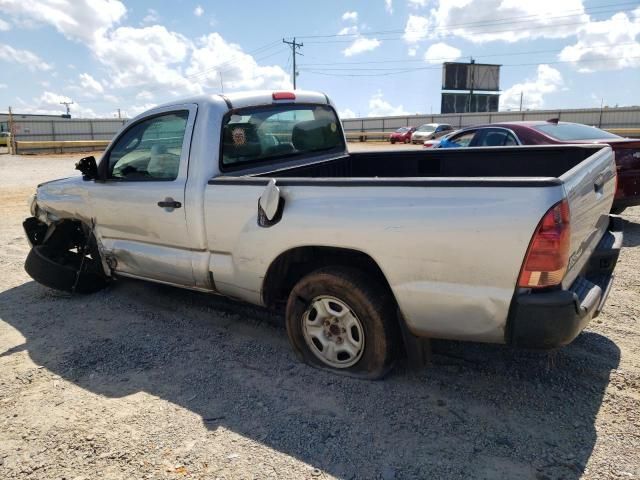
(139,207)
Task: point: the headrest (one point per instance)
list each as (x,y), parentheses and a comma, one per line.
(158,149)
(494,139)
(315,134)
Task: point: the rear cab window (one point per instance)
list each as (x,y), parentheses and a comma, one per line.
(573,131)
(266,133)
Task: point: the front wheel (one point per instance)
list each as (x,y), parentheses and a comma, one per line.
(393,142)
(339,319)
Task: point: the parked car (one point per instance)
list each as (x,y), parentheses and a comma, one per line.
(367,253)
(430,131)
(5,138)
(402,135)
(553,132)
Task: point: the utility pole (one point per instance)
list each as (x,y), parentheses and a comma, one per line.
(601,107)
(12,131)
(119,114)
(294,50)
(521,95)
(221,84)
(66,104)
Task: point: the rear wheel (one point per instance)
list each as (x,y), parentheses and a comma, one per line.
(339,319)
(393,141)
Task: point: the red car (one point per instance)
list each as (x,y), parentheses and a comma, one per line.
(627,150)
(402,135)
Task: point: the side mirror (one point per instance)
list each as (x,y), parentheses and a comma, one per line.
(270,205)
(88,167)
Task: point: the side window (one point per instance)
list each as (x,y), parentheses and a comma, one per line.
(150,150)
(495,138)
(462,140)
(511,140)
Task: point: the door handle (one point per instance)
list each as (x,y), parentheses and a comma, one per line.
(169,203)
(598,183)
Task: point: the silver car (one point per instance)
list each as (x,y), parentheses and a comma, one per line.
(430,131)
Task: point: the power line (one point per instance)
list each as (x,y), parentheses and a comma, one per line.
(439,67)
(522,18)
(452,33)
(421,60)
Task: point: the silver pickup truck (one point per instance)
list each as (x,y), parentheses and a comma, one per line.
(256,197)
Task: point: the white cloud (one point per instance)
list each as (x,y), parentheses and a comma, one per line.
(548,80)
(135,110)
(350,16)
(347,113)
(240,70)
(90,84)
(24,57)
(475,20)
(607,45)
(3,85)
(418,3)
(379,107)
(351,30)
(388,6)
(75,19)
(152,16)
(151,57)
(4,26)
(198,11)
(145,56)
(360,45)
(412,52)
(49,104)
(441,52)
(416,29)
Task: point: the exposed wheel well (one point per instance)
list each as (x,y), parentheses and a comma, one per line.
(289,267)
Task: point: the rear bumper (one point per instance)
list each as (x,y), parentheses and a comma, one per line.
(553,319)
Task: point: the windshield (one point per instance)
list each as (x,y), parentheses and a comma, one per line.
(574,131)
(402,130)
(427,128)
(264,133)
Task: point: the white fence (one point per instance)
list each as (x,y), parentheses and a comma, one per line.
(607,118)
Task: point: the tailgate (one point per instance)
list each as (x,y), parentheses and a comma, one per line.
(589,188)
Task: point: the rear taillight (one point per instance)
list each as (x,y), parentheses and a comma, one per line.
(548,254)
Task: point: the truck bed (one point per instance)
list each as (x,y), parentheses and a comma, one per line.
(536,161)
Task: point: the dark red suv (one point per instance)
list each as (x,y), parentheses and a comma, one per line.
(627,150)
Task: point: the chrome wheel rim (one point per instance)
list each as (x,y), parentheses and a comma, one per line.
(333,332)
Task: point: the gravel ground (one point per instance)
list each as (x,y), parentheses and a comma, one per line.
(147,381)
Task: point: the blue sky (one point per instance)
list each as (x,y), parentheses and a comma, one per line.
(373,57)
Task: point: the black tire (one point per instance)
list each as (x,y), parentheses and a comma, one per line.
(618,210)
(58,270)
(368,300)
(393,142)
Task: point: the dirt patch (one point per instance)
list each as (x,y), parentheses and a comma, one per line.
(146,381)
